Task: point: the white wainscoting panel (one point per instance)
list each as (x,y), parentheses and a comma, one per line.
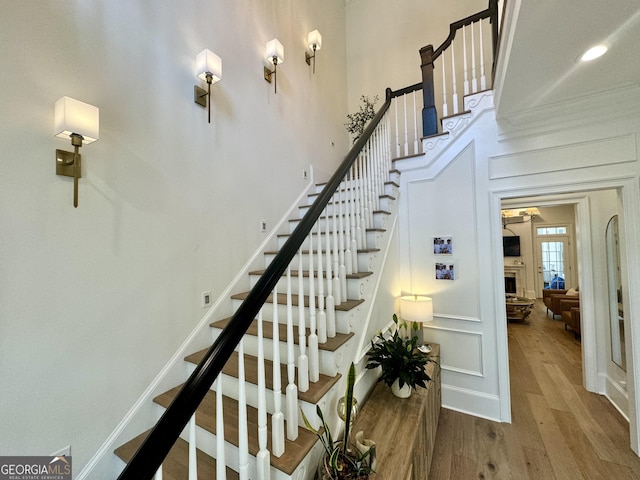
(607,151)
(467,345)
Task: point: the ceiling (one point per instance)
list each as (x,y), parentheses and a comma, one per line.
(542,40)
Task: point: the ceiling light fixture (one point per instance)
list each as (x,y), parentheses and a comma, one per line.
(593,53)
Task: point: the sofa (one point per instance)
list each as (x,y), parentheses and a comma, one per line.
(571,317)
(552,299)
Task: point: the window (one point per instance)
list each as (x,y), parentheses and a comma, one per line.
(552,230)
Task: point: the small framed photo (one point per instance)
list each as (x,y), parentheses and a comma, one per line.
(445,271)
(442,245)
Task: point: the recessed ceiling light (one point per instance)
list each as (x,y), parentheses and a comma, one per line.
(593,53)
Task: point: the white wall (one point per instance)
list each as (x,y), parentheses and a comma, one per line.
(94,300)
(384,41)
(487,164)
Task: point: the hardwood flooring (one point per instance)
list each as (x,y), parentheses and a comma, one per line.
(558,429)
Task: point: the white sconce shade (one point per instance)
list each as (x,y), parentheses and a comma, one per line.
(208,62)
(415,308)
(314,40)
(75,117)
(274,52)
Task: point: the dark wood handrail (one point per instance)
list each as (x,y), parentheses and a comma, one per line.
(491,12)
(156,446)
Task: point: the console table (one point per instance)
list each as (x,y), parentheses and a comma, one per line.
(404,429)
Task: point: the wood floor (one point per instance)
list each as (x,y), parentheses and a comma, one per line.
(559,430)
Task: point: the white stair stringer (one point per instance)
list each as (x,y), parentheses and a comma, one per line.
(435,158)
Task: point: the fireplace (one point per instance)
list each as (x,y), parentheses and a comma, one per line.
(514,279)
(510,284)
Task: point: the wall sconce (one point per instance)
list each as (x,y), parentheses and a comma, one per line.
(417,309)
(209,69)
(314,40)
(275,55)
(78,122)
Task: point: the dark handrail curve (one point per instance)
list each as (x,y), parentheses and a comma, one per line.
(148,458)
(490,12)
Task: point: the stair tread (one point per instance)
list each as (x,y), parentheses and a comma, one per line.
(282,300)
(405,157)
(323,217)
(306,252)
(313,395)
(459,114)
(331,345)
(176,464)
(294,453)
(315,233)
(305,273)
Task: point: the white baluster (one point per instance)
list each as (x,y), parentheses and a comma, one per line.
(395,104)
(331,311)
(292,389)
(354,233)
(483,79)
(221,463)
(322,315)
(314,356)
(263,458)
(464,51)
(370,176)
(406,129)
(337,294)
(445,108)
(158,475)
(303,360)
(455,84)
(342,273)
(243,433)
(359,233)
(193,459)
(415,124)
(474,79)
(277,419)
(348,259)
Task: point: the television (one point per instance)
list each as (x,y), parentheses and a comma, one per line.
(511,246)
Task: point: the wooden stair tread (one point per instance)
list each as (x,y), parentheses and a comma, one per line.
(305,273)
(405,157)
(459,114)
(331,345)
(324,252)
(206,418)
(316,390)
(324,217)
(282,300)
(315,233)
(176,464)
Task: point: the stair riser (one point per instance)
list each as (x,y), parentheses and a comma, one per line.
(385,204)
(364,261)
(379,221)
(230,388)
(343,319)
(389,189)
(354,285)
(372,238)
(329,361)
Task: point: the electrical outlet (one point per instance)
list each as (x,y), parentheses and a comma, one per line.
(263,225)
(206,299)
(304,174)
(63,452)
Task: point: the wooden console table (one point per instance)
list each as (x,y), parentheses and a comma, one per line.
(404,429)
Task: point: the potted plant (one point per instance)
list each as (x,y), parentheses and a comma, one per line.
(403,367)
(342,460)
(358,120)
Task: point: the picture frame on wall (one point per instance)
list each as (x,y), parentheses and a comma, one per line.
(445,271)
(442,245)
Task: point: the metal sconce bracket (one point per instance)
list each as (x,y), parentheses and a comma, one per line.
(308,57)
(200,96)
(65,163)
(268,74)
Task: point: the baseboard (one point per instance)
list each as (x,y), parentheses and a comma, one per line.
(471,402)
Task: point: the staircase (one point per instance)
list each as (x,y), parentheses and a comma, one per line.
(240,378)
(310,310)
